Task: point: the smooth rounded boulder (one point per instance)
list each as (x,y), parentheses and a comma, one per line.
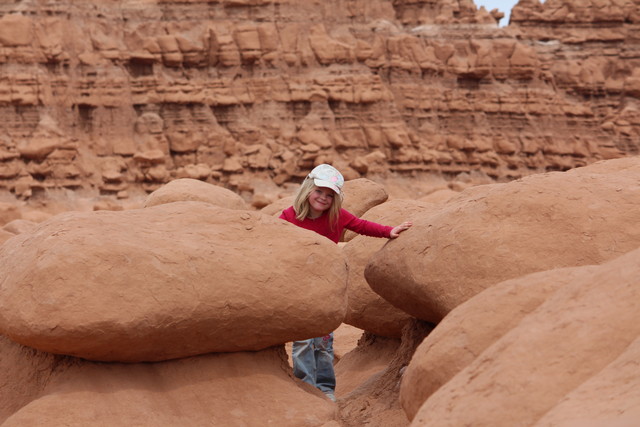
(362,194)
(496,232)
(581,330)
(5,235)
(276,208)
(188,189)
(472,327)
(170,281)
(586,406)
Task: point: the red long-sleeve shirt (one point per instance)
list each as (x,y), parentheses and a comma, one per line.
(345,220)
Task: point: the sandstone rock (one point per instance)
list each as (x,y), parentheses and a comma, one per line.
(185,142)
(495,232)
(378,394)
(169,281)
(260,201)
(223,47)
(318,138)
(345,339)
(107,204)
(231,389)
(362,194)
(35,215)
(587,406)
(248,40)
(278,206)
(18,226)
(200,172)
(10,170)
(328,50)
(5,235)
(38,148)
(15,30)
(474,326)
(24,373)
(585,328)
(314,59)
(187,189)
(149,157)
(9,212)
(366,309)
(440,196)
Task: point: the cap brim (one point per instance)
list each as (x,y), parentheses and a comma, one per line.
(321,183)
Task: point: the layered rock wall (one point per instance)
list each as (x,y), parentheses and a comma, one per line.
(131,94)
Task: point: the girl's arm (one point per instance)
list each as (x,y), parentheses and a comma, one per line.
(370,228)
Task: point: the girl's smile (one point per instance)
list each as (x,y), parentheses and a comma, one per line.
(320,199)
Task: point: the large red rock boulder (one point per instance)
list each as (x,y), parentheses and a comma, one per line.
(495,232)
(610,397)
(188,189)
(471,328)
(5,235)
(366,309)
(170,281)
(440,196)
(554,358)
(18,226)
(243,388)
(278,206)
(9,212)
(361,194)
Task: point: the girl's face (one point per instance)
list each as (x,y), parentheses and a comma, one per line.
(320,199)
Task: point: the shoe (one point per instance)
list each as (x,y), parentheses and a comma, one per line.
(330,396)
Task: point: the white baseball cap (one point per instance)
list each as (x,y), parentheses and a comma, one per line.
(327,176)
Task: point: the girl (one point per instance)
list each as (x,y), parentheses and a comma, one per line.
(317,207)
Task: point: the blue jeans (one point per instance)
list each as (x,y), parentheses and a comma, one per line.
(313,362)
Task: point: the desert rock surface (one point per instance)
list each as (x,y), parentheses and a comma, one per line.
(188,189)
(570,342)
(495,232)
(474,326)
(81,283)
(148,146)
(76,288)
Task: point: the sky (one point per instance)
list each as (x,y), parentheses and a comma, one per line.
(502,5)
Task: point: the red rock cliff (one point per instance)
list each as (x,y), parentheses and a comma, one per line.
(110,95)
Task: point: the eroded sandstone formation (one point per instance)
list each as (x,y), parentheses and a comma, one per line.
(117,96)
(200,284)
(168,281)
(491,233)
(554,364)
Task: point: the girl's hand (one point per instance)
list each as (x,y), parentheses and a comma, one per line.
(399,229)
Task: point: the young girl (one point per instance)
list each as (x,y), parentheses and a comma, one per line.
(317,207)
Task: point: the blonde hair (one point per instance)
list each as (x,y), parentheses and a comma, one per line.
(302,207)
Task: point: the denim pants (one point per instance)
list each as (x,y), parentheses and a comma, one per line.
(313,362)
